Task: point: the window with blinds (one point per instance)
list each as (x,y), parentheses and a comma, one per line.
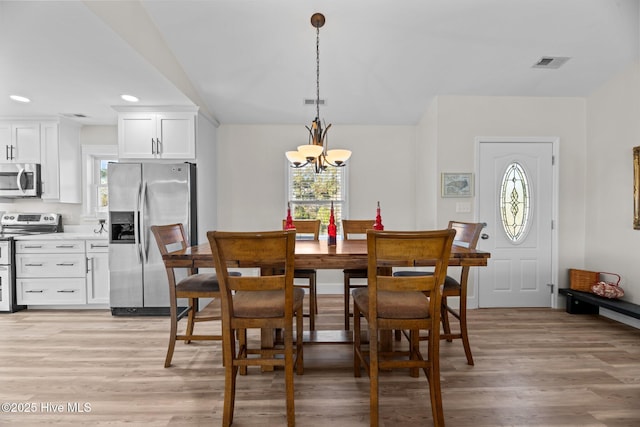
(310,194)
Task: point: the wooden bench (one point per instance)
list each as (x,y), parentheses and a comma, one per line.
(579,302)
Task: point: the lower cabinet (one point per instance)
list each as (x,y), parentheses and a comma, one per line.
(98,271)
(62,272)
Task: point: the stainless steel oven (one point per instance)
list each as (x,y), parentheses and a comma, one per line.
(18,180)
(13,224)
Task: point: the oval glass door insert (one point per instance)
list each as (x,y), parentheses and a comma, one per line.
(515,202)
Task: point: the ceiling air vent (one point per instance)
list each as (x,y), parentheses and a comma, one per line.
(552,62)
(313,102)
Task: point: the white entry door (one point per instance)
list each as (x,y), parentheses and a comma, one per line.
(515,200)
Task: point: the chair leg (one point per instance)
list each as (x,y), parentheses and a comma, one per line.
(191,319)
(299,345)
(445,317)
(172,335)
(242,341)
(346,301)
(230,376)
(313,302)
(464,333)
(373,377)
(288,367)
(414,342)
(434,381)
(357,348)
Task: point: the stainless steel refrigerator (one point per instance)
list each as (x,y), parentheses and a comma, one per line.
(142,195)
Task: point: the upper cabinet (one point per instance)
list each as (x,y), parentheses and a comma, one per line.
(61,167)
(157,135)
(19,142)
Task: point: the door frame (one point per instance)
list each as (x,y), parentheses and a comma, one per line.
(555,142)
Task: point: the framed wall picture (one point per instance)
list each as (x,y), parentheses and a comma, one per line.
(636,188)
(457,184)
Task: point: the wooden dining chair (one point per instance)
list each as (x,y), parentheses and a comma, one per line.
(353,228)
(194,286)
(258,302)
(307,229)
(402,303)
(467,235)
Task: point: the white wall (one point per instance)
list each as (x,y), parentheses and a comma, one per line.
(252,167)
(460,119)
(613,129)
(252,181)
(426,166)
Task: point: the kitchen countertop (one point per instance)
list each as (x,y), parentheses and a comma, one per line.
(64,236)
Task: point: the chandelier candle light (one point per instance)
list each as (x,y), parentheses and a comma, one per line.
(316,150)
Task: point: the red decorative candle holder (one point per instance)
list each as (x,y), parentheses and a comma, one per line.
(378,224)
(288,225)
(331,229)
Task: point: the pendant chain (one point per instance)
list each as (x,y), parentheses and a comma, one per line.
(318,73)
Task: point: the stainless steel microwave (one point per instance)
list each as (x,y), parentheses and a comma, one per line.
(20,180)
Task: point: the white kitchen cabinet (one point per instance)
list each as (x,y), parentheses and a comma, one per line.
(61,165)
(19,142)
(98,271)
(54,270)
(51,272)
(157,135)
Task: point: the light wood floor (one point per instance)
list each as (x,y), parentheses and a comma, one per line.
(534,367)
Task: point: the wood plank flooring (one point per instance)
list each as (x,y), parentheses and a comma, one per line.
(534,367)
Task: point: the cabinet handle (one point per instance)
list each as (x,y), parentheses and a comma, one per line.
(153,146)
(12,155)
(6,152)
(32,246)
(88,263)
(158,145)
(34,291)
(66,291)
(93,246)
(33,265)
(66,264)
(64,246)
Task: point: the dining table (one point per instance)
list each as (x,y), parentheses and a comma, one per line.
(318,254)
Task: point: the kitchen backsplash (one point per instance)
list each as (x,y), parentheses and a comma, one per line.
(71,213)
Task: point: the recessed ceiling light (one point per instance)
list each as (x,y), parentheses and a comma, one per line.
(129,98)
(19,98)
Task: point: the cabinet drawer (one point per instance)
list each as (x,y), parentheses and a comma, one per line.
(51,265)
(49,246)
(97,246)
(51,291)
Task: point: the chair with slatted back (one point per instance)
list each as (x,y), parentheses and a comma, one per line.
(402,303)
(258,302)
(307,229)
(467,235)
(194,286)
(353,228)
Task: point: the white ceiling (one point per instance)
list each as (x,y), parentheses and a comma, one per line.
(253,61)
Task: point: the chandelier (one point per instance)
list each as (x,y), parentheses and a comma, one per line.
(315,151)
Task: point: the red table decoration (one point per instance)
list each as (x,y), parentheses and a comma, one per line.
(378,224)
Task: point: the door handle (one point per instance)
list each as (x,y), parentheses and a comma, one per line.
(484,236)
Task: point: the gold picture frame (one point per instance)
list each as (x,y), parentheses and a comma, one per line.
(636,188)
